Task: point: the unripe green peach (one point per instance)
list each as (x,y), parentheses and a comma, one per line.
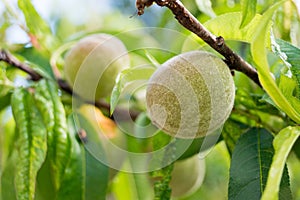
(191,95)
(187,176)
(92,65)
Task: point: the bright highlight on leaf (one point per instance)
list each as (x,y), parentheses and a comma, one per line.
(283,144)
(259,52)
(248,10)
(206,7)
(228,26)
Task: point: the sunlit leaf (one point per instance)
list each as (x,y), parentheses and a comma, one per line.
(127,76)
(228,26)
(283,144)
(152,59)
(5,84)
(39,31)
(248,10)
(121,192)
(205,7)
(288,86)
(259,53)
(31,143)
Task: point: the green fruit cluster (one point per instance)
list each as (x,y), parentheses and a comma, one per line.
(191,95)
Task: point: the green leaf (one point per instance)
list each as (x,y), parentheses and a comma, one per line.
(205,7)
(7,178)
(152,59)
(143,186)
(289,53)
(45,189)
(121,192)
(227,26)
(215,183)
(127,76)
(248,10)
(7,135)
(58,139)
(296,148)
(5,101)
(231,132)
(138,185)
(86,176)
(31,143)
(5,84)
(287,86)
(259,54)
(283,144)
(74,178)
(251,160)
(37,61)
(96,172)
(39,30)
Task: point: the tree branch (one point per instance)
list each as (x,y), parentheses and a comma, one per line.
(5,56)
(10,59)
(186,19)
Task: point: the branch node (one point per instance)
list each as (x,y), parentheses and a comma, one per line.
(142,4)
(220,41)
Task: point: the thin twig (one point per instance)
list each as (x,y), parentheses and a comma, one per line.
(10,59)
(7,57)
(186,19)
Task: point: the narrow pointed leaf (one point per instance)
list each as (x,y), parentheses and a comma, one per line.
(259,53)
(283,144)
(248,10)
(58,139)
(39,30)
(31,143)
